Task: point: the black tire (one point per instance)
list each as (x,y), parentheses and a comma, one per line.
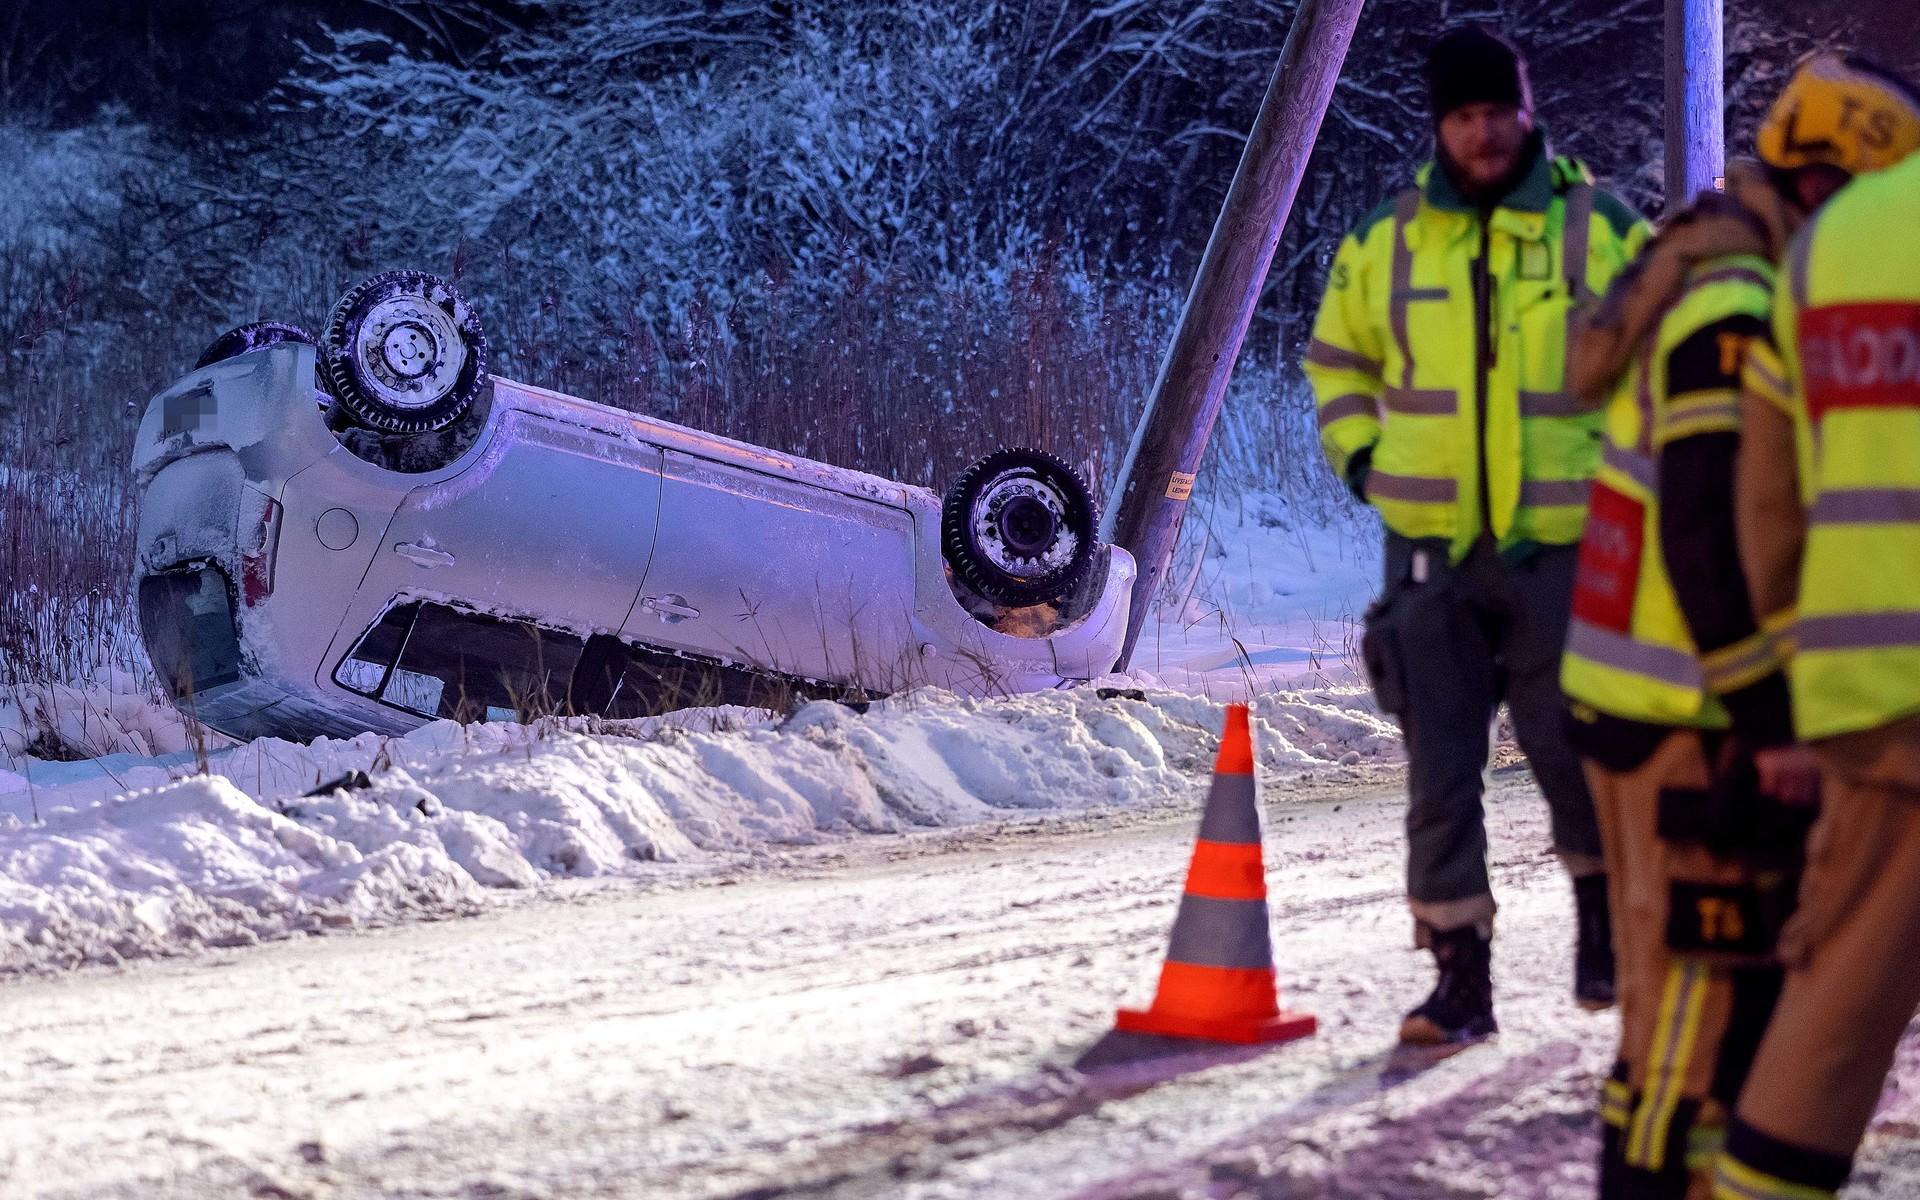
(1017,528)
(256,336)
(404,353)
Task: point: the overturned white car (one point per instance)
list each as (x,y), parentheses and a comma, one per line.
(366,531)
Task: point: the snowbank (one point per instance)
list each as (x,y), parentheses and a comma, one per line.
(1262,597)
(451,811)
(113,714)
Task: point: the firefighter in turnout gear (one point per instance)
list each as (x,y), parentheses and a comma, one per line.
(1828,486)
(1677,687)
(1438,365)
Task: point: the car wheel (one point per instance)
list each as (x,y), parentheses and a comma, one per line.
(256,336)
(1017,527)
(404,353)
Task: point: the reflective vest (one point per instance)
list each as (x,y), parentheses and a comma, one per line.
(1629,651)
(1849,340)
(1396,365)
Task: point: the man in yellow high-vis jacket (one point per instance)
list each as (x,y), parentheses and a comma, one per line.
(1438,364)
(1829,487)
(1678,690)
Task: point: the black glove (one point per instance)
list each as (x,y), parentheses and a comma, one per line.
(1732,816)
(1359,466)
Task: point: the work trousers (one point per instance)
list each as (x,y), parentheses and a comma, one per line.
(1460,639)
(1689,1024)
(1852,986)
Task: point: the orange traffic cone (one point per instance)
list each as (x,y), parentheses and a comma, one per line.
(1218,981)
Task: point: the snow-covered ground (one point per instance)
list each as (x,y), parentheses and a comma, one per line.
(918,1016)
(733,953)
(89,871)
(1266,599)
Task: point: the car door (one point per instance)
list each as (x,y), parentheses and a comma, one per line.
(554,523)
(756,568)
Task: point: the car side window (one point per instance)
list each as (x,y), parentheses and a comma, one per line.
(656,682)
(650,681)
(365,669)
(440,662)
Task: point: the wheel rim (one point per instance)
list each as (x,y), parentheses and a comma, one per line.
(1019,522)
(409,351)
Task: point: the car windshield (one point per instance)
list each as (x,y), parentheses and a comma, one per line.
(440,662)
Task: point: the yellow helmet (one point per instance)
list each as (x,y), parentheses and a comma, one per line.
(1841,111)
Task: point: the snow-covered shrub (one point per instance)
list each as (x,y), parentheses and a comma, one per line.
(636,163)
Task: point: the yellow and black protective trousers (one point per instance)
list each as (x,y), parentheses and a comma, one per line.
(1701,873)
(1851,991)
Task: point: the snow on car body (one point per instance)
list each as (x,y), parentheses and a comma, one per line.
(295,577)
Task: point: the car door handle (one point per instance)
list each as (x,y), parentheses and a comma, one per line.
(423,556)
(670,608)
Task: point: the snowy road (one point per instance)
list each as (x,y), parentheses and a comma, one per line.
(887,1017)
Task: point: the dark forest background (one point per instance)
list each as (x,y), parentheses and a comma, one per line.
(888,234)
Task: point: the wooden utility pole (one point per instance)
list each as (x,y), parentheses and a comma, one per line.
(1696,101)
(1150,497)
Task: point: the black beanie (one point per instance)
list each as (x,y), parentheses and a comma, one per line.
(1472,65)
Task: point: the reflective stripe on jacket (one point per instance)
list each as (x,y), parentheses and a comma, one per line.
(1396,360)
(1848,332)
(1630,651)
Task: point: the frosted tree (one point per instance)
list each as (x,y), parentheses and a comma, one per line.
(636,160)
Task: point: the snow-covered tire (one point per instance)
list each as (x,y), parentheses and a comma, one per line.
(404,353)
(255,336)
(1017,528)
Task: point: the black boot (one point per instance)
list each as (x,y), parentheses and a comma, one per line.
(1461,1006)
(1593,987)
